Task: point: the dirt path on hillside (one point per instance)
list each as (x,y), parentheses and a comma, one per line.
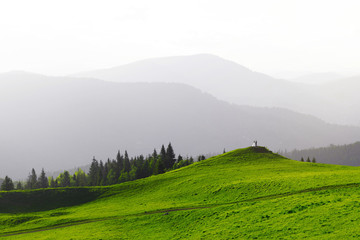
(268,197)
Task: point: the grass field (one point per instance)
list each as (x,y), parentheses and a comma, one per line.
(248,193)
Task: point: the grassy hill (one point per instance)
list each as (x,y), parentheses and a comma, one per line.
(248,193)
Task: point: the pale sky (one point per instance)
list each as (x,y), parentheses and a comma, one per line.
(67,36)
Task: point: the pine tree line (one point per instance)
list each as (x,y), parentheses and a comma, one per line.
(308,160)
(121,169)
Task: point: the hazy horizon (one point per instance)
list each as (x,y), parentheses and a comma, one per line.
(307,77)
(272,37)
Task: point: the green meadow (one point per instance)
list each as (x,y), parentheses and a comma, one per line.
(248,193)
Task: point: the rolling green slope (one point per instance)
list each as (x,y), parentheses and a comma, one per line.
(244,194)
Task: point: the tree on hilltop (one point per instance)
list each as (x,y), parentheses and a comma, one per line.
(201,158)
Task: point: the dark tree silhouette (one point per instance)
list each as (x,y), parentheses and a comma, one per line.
(126,162)
(43,182)
(159,166)
(19,186)
(119,164)
(94,172)
(114,171)
(32,180)
(53,183)
(66,179)
(169,157)
(7,184)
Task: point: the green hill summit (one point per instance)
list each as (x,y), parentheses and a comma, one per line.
(249,193)
(249,150)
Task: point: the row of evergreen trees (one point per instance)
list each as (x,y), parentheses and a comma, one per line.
(308,160)
(114,171)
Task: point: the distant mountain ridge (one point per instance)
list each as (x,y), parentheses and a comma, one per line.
(348,154)
(318,78)
(61,122)
(234,83)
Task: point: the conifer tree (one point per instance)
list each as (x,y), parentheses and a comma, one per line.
(94,172)
(159,166)
(43,181)
(126,162)
(32,180)
(302,159)
(313,160)
(124,177)
(119,164)
(7,184)
(104,175)
(170,157)
(53,184)
(308,160)
(154,155)
(66,179)
(19,186)
(111,177)
(100,174)
(132,173)
(152,162)
(80,178)
(162,152)
(146,168)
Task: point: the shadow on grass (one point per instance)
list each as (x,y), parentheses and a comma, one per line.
(46,199)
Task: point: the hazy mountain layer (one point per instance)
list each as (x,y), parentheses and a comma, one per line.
(343,154)
(59,123)
(232,82)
